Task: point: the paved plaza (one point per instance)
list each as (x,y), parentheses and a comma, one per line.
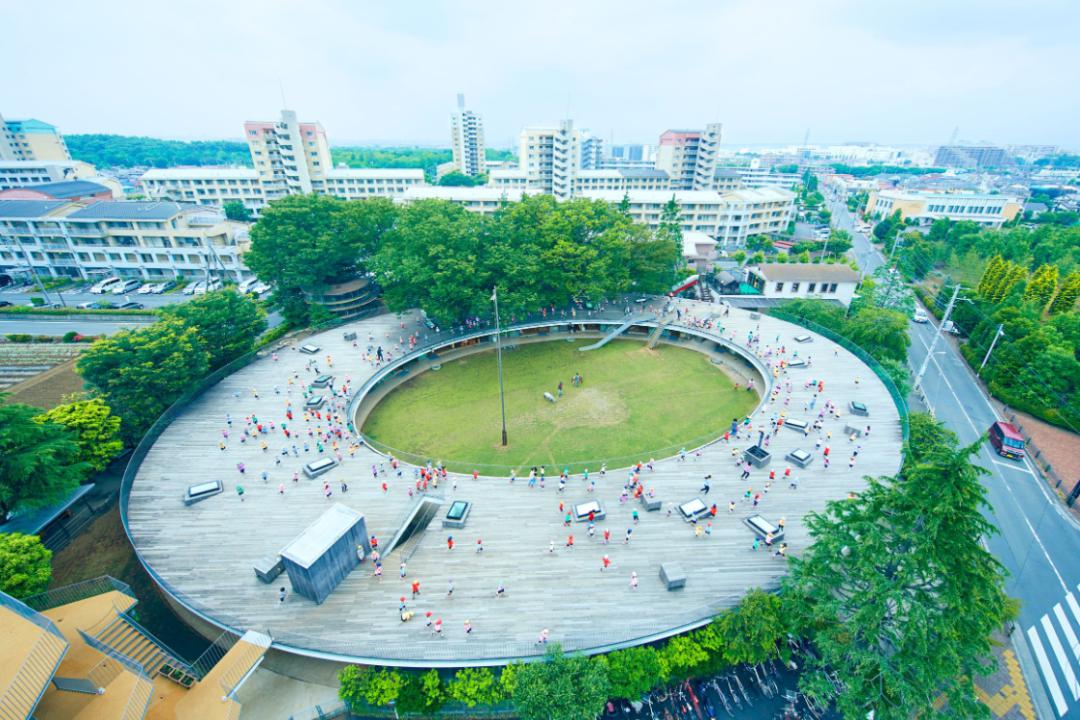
(206,551)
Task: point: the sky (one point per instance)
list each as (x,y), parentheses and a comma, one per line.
(389,72)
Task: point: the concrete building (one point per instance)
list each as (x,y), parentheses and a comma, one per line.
(31,140)
(621,180)
(483,200)
(727,179)
(759,177)
(976,157)
(551,157)
(592,151)
(925,207)
(689,157)
(205,186)
(27,173)
(506,179)
(291,157)
(145,240)
(632,153)
(699,251)
(786,281)
(467,140)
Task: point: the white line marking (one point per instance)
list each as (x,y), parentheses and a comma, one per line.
(1018,468)
(1066,628)
(1071,602)
(1047,672)
(1063,660)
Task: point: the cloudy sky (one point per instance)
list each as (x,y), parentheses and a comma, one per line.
(847,70)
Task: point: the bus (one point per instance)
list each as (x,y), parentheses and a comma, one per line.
(1006,440)
(684,285)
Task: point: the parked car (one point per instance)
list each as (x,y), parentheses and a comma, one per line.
(192,287)
(920,316)
(260,288)
(164,287)
(146,289)
(130,306)
(104,286)
(246,286)
(211,286)
(126,286)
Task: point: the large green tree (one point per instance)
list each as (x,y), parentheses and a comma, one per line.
(475,686)
(25,567)
(303,241)
(228,323)
(561,687)
(141,372)
(897,593)
(633,672)
(236,210)
(96,429)
(39,461)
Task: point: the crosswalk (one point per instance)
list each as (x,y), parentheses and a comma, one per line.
(1056,649)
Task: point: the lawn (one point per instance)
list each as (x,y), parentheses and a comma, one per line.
(635,403)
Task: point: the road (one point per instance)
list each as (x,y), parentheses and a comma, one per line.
(21,296)
(62,325)
(1037,541)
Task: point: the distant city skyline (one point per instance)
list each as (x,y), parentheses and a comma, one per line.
(902,74)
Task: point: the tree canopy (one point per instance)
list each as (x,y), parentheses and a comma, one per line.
(227,323)
(236,210)
(25,567)
(128,151)
(561,687)
(39,460)
(141,372)
(897,593)
(97,430)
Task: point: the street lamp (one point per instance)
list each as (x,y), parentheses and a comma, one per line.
(498,355)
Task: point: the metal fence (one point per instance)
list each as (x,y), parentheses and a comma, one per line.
(77,591)
(883,375)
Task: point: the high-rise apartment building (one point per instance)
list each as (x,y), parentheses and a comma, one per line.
(290,156)
(467,140)
(31,140)
(962,156)
(592,151)
(551,157)
(689,157)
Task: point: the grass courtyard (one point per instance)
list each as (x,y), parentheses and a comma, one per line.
(635,403)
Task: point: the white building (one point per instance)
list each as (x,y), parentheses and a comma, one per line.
(699,251)
(689,157)
(925,207)
(504,179)
(483,200)
(551,157)
(31,139)
(146,240)
(205,186)
(621,180)
(787,281)
(592,152)
(759,177)
(27,173)
(291,157)
(467,140)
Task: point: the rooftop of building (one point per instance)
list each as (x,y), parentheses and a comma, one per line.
(184,173)
(943,193)
(40,164)
(462,194)
(65,189)
(14,209)
(781,272)
(30,125)
(347,172)
(767,194)
(131,210)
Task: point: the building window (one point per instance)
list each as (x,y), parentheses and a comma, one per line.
(794,287)
(811,287)
(832,288)
(779,287)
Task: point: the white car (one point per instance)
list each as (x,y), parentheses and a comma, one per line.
(104,286)
(126,286)
(146,289)
(920,316)
(193,287)
(259,288)
(247,285)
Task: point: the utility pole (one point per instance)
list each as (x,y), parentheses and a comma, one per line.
(998,334)
(498,355)
(937,336)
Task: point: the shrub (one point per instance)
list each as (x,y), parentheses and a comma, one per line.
(24,564)
(475,686)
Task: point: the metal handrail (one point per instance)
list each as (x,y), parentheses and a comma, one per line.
(15,692)
(76,592)
(23,609)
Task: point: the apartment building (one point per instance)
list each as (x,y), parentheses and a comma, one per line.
(925,207)
(508,179)
(759,177)
(592,151)
(689,157)
(136,239)
(962,156)
(467,140)
(31,139)
(290,156)
(551,158)
(27,173)
(480,199)
(621,180)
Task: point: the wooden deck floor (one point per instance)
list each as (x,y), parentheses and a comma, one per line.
(206,551)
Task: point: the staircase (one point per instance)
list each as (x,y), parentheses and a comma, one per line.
(139,700)
(415,521)
(124,636)
(22,694)
(244,657)
(617,332)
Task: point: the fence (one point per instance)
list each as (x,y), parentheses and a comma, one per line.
(894,392)
(77,591)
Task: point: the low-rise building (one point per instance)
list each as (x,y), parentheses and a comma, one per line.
(483,200)
(136,239)
(82,191)
(621,180)
(787,281)
(508,178)
(23,173)
(925,207)
(699,251)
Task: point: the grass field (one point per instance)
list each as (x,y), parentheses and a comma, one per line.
(634,404)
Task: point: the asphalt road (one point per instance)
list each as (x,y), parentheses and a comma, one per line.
(21,296)
(61,326)
(1037,541)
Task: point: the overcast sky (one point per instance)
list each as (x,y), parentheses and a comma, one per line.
(388,71)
